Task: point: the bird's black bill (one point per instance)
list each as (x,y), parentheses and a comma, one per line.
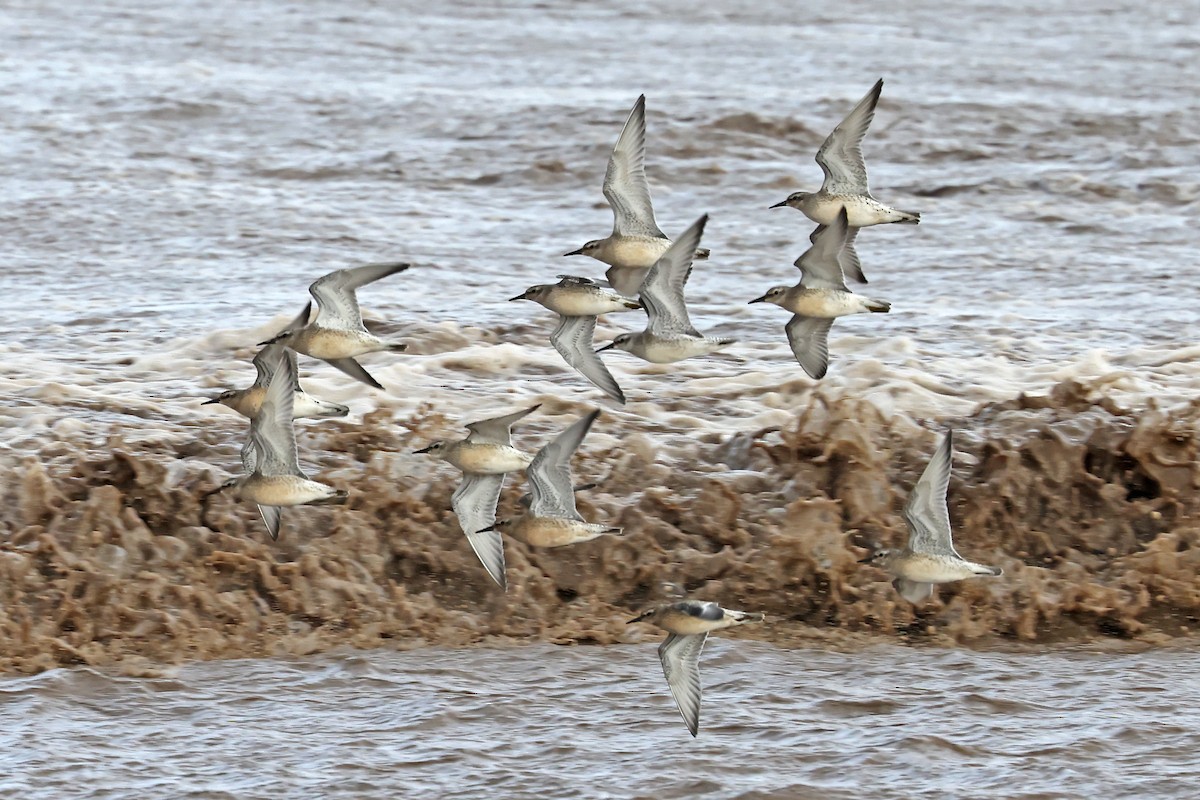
(780,204)
(518,297)
(578,252)
(488,529)
(210,402)
(762,299)
(608,346)
(423,450)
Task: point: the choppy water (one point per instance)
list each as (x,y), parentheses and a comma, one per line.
(544,721)
(174,176)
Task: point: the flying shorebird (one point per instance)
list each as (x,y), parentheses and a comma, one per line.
(578,301)
(247,401)
(551,519)
(636,241)
(845,184)
(688,623)
(820,297)
(669,335)
(337,334)
(930,556)
(484,457)
(573,296)
(272,476)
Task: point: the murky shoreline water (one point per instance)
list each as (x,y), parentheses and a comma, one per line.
(597,722)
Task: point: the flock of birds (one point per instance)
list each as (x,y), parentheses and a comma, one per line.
(646,270)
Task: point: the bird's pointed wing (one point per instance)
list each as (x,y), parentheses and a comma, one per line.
(271,429)
(625,185)
(497,430)
(249,454)
(474,502)
(626,281)
(851,266)
(572,338)
(809,338)
(821,265)
(300,319)
(841,156)
(549,473)
(271,515)
(337,303)
(354,370)
(926,512)
(527,498)
(662,291)
(680,656)
(265,362)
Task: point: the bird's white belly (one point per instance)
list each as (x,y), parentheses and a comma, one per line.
(668,351)
(584,304)
(861,211)
(825,303)
(926,569)
(306,407)
(687,625)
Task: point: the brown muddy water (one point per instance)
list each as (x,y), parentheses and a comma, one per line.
(174,176)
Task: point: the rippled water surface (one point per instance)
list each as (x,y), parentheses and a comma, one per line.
(545,721)
(174,178)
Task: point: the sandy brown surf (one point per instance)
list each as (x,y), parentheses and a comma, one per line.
(122,555)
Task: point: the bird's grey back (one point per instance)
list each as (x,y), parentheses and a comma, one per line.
(701,609)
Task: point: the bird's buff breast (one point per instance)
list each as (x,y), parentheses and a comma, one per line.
(485,459)
(325,343)
(283,490)
(552,531)
(924,569)
(634,252)
(250,401)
